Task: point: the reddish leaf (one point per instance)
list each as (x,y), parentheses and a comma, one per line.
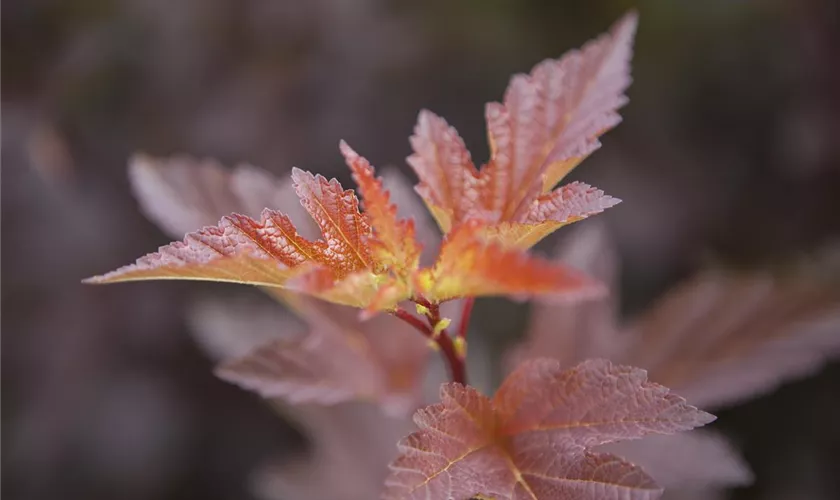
(370,260)
(583,329)
(718,338)
(549,122)
(551,119)
(699,461)
(351,446)
(344,228)
(240,250)
(724,338)
(393,243)
(342,359)
(391,358)
(470,266)
(570,203)
(181,194)
(532,439)
(268,252)
(231,327)
(447,175)
(410,206)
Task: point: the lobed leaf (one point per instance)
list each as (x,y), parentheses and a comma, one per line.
(393,242)
(584,329)
(549,118)
(240,250)
(718,338)
(340,359)
(269,252)
(565,205)
(469,266)
(299,371)
(351,446)
(549,122)
(180,193)
(531,440)
(336,212)
(724,338)
(447,175)
(699,461)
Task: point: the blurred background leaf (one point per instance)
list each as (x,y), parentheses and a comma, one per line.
(727,155)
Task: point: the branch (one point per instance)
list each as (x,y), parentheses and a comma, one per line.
(457,368)
(465,317)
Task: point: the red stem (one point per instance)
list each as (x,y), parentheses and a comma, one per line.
(457,367)
(465,317)
(413,321)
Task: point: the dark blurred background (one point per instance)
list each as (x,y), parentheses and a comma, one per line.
(729,153)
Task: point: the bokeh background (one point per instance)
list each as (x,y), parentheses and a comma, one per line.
(729,153)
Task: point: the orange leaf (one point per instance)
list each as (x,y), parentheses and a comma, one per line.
(339,268)
(336,211)
(549,122)
(532,439)
(469,265)
(240,250)
(393,241)
(181,194)
(570,203)
(447,175)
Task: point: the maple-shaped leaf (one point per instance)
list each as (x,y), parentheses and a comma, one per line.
(532,440)
(341,359)
(694,462)
(584,329)
(723,338)
(390,351)
(269,252)
(181,194)
(351,445)
(395,245)
(718,338)
(369,260)
(470,266)
(548,122)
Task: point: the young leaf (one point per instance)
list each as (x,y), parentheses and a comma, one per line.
(394,245)
(411,206)
(340,359)
(532,440)
(570,203)
(239,249)
(337,431)
(339,268)
(718,338)
(696,462)
(549,122)
(231,327)
(181,194)
(447,175)
(725,338)
(470,266)
(351,446)
(584,329)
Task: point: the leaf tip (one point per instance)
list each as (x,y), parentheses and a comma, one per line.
(348,152)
